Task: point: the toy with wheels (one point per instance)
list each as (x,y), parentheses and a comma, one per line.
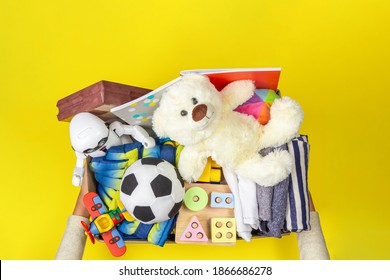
(104,224)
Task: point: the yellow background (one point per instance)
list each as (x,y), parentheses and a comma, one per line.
(335,61)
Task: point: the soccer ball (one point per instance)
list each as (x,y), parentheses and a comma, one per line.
(152,190)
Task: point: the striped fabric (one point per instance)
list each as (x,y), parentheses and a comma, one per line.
(297,214)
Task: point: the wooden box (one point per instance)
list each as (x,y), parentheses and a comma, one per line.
(98,99)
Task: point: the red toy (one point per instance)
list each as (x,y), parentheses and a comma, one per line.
(104,223)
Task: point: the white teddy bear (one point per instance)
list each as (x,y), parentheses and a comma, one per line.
(195,114)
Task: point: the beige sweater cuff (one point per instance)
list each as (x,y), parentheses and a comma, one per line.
(73,241)
(312,245)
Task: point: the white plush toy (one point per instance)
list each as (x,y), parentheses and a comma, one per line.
(90,136)
(195,114)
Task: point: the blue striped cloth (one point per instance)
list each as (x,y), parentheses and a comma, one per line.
(298,207)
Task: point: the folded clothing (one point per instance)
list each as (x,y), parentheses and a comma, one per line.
(285,206)
(298,204)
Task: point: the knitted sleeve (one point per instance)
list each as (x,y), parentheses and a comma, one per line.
(73,241)
(311,243)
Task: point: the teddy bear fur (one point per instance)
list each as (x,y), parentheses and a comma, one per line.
(195,114)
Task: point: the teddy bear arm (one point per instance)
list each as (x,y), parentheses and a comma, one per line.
(237,92)
(286,119)
(268,170)
(191,164)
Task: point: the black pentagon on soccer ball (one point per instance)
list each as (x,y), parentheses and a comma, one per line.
(175,209)
(179,177)
(151,161)
(161,186)
(143,213)
(129,183)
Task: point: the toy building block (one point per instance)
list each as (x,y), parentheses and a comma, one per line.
(205,214)
(194,232)
(221,200)
(98,99)
(223,230)
(196,199)
(212,172)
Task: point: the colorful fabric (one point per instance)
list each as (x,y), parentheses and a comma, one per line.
(108,172)
(259,105)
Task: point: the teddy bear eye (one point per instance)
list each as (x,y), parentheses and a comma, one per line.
(183,113)
(194,101)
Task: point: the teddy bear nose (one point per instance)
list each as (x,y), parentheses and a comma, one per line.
(199,112)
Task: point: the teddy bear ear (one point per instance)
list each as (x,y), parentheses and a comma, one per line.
(158,123)
(195,77)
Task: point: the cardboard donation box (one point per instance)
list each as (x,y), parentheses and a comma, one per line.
(209,211)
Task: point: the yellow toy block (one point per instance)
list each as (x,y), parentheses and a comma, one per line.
(211,173)
(223,230)
(214,164)
(215,175)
